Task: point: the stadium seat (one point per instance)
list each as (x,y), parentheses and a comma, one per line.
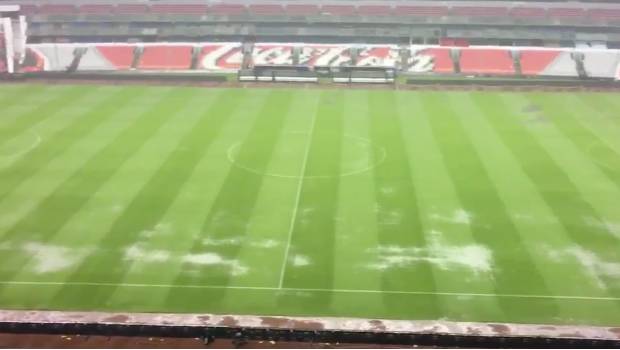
(604,14)
(118,56)
(197,9)
(562,65)
(338,10)
(374,10)
(534,62)
(480,11)
(166,57)
(272,54)
(435,11)
(436,59)
(130,9)
(56,57)
(224,56)
(96,9)
(28,9)
(301,9)
(566,12)
(601,64)
(33,62)
(51,9)
(227,9)
(486,61)
(528,12)
(266,9)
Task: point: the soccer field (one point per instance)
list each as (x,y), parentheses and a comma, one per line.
(465,206)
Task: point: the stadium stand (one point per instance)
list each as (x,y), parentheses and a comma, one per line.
(57,9)
(33,62)
(480,11)
(472,60)
(301,9)
(534,62)
(265,9)
(56,57)
(96,9)
(562,66)
(434,11)
(604,14)
(179,8)
(601,64)
(119,56)
(221,56)
(528,12)
(94,60)
(265,54)
(566,12)
(486,61)
(132,9)
(374,10)
(431,60)
(227,9)
(166,57)
(339,10)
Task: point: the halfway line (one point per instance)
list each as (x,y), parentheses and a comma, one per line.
(297,199)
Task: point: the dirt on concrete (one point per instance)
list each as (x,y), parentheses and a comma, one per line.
(72,341)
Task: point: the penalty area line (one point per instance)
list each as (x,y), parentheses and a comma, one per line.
(319,290)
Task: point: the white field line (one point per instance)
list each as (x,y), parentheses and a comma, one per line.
(297,199)
(276,289)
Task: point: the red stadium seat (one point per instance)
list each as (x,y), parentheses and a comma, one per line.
(374,10)
(441,60)
(179,8)
(57,9)
(166,57)
(339,10)
(534,62)
(227,9)
(120,56)
(96,9)
(479,11)
(486,61)
(604,13)
(302,9)
(566,12)
(528,12)
(132,8)
(435,11)
(266,9)
(28,9)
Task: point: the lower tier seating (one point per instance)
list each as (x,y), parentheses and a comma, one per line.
(166,57)
(486,61)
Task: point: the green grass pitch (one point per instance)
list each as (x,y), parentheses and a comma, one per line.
(466,206)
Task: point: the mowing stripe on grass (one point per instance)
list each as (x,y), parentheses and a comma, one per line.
(42,111)
(300,183)
(399,220)
(315,213)
(477,192)
(54,146)
(551,181)
(234,204)
(278,289)
(55,210)
(581,137)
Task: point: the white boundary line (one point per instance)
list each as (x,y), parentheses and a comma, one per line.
(235,146)
(322,290)
(297,199)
